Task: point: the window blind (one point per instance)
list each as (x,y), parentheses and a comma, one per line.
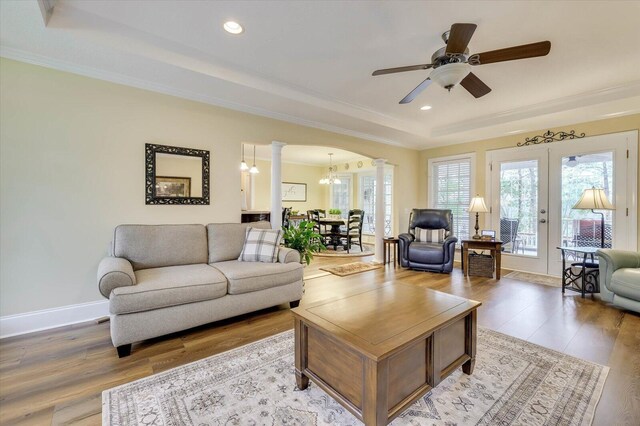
(452,190)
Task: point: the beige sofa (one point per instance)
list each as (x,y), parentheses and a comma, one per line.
(160,279)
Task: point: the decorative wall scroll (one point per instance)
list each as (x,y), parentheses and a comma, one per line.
(550,136)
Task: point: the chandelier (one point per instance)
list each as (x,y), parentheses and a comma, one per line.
(330,178)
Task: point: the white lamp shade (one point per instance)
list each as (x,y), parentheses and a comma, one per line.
(254,169)
(243,166)
(449,75)
(594,199)
(478,206)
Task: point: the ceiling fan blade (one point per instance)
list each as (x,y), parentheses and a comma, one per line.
(532,50)
(459,37)
(415,92)
(402,69)
(474,85)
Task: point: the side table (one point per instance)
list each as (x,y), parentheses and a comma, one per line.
(587,280)
(494,246)
(387,244)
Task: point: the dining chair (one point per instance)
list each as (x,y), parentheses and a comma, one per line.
(354,229)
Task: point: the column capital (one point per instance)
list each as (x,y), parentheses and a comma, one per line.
(380,162)
(277,144)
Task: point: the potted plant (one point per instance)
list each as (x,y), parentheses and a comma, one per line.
(334,213)
(303,238)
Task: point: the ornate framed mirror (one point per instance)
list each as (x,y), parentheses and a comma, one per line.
(176,175)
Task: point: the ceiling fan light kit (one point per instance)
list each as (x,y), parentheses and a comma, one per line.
(451,64)
(450,75)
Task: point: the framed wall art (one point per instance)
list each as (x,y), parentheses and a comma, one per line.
(292,191)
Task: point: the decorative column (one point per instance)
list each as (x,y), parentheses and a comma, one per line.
(276,184)
(379,208)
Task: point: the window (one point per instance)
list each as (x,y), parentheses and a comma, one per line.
(341,195)
(367,202)
(451,188)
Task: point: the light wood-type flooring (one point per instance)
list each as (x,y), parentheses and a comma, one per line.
(57,376)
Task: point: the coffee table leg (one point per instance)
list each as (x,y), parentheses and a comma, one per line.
(471,335)
(301,348)
(374,412)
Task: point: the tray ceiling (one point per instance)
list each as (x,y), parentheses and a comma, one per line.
(311,62)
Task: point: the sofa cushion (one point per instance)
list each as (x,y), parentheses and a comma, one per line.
(426,253)
(244,277)
(169,286)
(226,239)
(261,245)
(153,246)
(625,282)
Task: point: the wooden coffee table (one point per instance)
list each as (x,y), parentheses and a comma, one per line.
(378,351)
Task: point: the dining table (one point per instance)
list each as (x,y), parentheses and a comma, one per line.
(334,232)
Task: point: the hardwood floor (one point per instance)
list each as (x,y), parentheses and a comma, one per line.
(57,376)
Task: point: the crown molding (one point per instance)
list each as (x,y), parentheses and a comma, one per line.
(548,107)
(47,62)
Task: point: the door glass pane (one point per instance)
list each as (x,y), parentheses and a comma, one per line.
(581,228)
(519,207)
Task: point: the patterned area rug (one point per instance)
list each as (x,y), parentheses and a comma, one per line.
(514,383)
(351,268)
(535,278)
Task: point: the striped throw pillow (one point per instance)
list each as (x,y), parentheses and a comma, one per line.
(261,245)
(429,235)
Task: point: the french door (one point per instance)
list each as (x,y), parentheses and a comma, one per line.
(532,191)
(519,206)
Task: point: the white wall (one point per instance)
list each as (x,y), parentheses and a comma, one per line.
(72,168)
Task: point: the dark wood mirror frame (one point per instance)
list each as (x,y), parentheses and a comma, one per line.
(150,174)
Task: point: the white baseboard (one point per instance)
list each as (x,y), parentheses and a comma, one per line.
(29,322)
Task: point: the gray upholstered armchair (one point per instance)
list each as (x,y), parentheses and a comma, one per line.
(429,245)
(620,278)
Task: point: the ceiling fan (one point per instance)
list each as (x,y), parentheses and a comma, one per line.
(451,64)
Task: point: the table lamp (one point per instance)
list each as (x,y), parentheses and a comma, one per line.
(477,206)
(595,199)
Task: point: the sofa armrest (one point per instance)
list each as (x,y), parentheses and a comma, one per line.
(287,255)
(404,241)
(610,261)
(407,238)
(114,272)
(618,259)
(449,247)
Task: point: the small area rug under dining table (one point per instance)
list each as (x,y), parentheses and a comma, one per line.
(514,383)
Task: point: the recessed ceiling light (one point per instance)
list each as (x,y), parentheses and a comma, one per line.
(425,108)
(233,27)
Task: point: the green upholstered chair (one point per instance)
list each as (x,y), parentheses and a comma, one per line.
(620,278)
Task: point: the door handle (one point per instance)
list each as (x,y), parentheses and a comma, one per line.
(543,220)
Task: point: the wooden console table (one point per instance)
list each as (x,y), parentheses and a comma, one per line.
(248,216)
(494,246)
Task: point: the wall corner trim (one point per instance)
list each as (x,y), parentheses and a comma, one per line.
(30,322)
